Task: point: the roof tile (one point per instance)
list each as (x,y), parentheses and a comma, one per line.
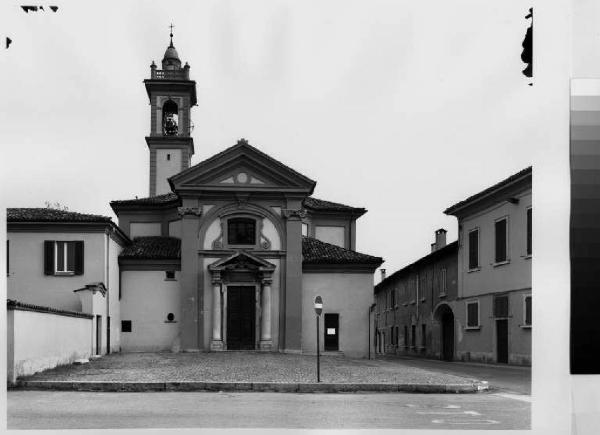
(319,204)
(51,215)
(317,252)
(153,248)
(483,193)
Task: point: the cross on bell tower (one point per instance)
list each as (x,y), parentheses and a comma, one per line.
(172,95)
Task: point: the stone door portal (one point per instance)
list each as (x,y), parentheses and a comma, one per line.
(241,326)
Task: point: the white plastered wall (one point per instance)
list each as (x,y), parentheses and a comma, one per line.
(147,297)
(140,229)
(348,294)
(168,163)
(330,234)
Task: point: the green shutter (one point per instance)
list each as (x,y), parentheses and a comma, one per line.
(79,257)
(49,257)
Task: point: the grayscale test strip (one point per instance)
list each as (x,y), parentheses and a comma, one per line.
(585,224)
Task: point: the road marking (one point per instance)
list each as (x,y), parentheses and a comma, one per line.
(520,397)
(472,413)
(438,413)
(466,422)
(451,406)
(448,413)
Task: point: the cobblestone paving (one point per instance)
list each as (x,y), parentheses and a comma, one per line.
(243,367)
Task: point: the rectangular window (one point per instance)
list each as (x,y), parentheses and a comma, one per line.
(529,238)
(125,325)
(501,231)
(405,336)
(417,288)
(241,231)
(64,254)
(63,257)
(423,335)
(413,338)
(397,337)
(474,249)
(392,342)
(501,306)
(473,314)
(7,258)
(305,229)
(170,275)
(527,310)
(393,296)
(444,282)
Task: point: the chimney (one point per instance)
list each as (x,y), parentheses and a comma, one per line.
(433,247)
(440,238)
(382,274)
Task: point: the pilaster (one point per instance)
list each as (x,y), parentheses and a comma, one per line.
(293,278)
(191,325)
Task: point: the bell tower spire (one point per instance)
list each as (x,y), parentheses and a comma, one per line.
(172,95)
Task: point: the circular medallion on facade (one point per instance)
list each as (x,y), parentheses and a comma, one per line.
(242,177)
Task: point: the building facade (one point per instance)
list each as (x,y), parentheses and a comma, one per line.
(493,309)
(228,254)
(68,261)
(415,305)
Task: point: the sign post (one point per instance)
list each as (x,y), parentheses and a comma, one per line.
(318,310)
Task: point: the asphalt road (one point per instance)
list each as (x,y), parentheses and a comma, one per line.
(502,378)
(90,410)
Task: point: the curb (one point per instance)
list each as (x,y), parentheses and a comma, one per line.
(250,386)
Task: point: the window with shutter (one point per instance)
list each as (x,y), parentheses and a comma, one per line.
(527,310)
(49,257)
(63,257)
(501,227)
(474,249)
(529,238)
(473,314)
(501,306)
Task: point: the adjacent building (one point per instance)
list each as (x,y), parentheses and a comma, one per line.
(63,263)
(493,307)
(469,300)
(414,305)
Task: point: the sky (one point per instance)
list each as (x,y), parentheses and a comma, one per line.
(401,107)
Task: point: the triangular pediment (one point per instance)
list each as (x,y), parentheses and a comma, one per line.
(242,260)
(241,168)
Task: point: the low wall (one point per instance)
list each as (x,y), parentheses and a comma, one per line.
(41,338)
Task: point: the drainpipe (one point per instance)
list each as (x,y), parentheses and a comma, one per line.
(107,277)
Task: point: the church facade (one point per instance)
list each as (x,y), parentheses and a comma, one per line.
(228,254)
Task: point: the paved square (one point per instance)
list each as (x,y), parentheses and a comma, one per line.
(244,367)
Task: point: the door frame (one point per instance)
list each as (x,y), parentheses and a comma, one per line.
(497,341)
(98,334)
(257,319)
(447,335)
(337,334)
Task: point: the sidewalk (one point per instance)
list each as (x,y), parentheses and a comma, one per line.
(246,371)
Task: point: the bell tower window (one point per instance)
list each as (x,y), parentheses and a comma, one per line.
(170,118)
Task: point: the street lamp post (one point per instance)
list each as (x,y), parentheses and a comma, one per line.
(318,310)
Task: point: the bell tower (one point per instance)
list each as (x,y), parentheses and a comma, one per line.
(172,95)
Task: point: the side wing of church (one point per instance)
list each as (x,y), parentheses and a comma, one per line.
(230,253)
